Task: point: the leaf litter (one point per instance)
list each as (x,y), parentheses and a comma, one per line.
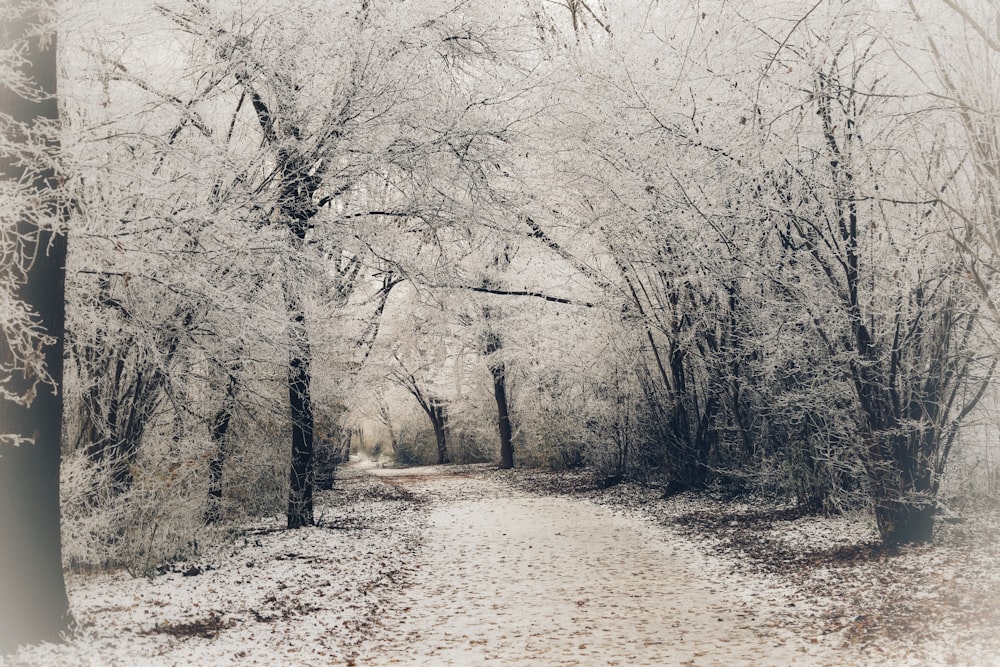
(270,597)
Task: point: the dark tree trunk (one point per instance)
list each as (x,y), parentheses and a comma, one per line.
(439,420)
(297,210)
(33,602)
(499,372)
(904,523)
(903,497)
(503,417)
(301,178)
(220,438)
(300,492)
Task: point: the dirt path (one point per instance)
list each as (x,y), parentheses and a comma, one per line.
(508,578)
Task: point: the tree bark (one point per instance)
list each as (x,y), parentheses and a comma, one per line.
(439,420)
(503,417)
(33,602)
(220,438)
(300,492)
(301,471)
(499,372)
(301,177)
(493,345)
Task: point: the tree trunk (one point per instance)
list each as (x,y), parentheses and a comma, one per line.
(902,489)
(300,492)
(439,419)
(503,416)
(901,522)
(499,372)
(220,438)
(301,177)
(33,602)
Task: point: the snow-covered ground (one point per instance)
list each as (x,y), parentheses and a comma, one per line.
(932,604)
(511,578)
(468,566)
(272,597)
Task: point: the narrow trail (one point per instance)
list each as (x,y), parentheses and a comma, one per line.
(509,578)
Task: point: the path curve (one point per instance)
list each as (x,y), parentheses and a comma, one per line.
(509,578)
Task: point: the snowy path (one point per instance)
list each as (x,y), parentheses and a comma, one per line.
(508,578)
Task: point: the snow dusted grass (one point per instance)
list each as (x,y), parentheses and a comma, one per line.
(271,597)
(828,577)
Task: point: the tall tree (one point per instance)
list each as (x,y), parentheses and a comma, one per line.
(33,602)
(492,350)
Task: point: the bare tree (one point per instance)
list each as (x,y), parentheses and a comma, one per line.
(967,61)
(908,345)
(433,406)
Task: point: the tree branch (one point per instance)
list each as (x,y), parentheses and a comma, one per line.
(504,292)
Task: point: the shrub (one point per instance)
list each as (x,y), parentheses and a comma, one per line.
(415,448)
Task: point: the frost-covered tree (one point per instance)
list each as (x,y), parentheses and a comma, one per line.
(893,308)
(33,605)
(740,222)
(372,122)
(311,148)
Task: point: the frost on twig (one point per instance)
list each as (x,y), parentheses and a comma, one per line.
(15,440)
(28,155)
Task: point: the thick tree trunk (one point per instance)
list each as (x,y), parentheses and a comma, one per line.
(439,420)
(499,372)
(300,491)
(33,603)
(901,488)
(503,416)
(301,177)
(902,522)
